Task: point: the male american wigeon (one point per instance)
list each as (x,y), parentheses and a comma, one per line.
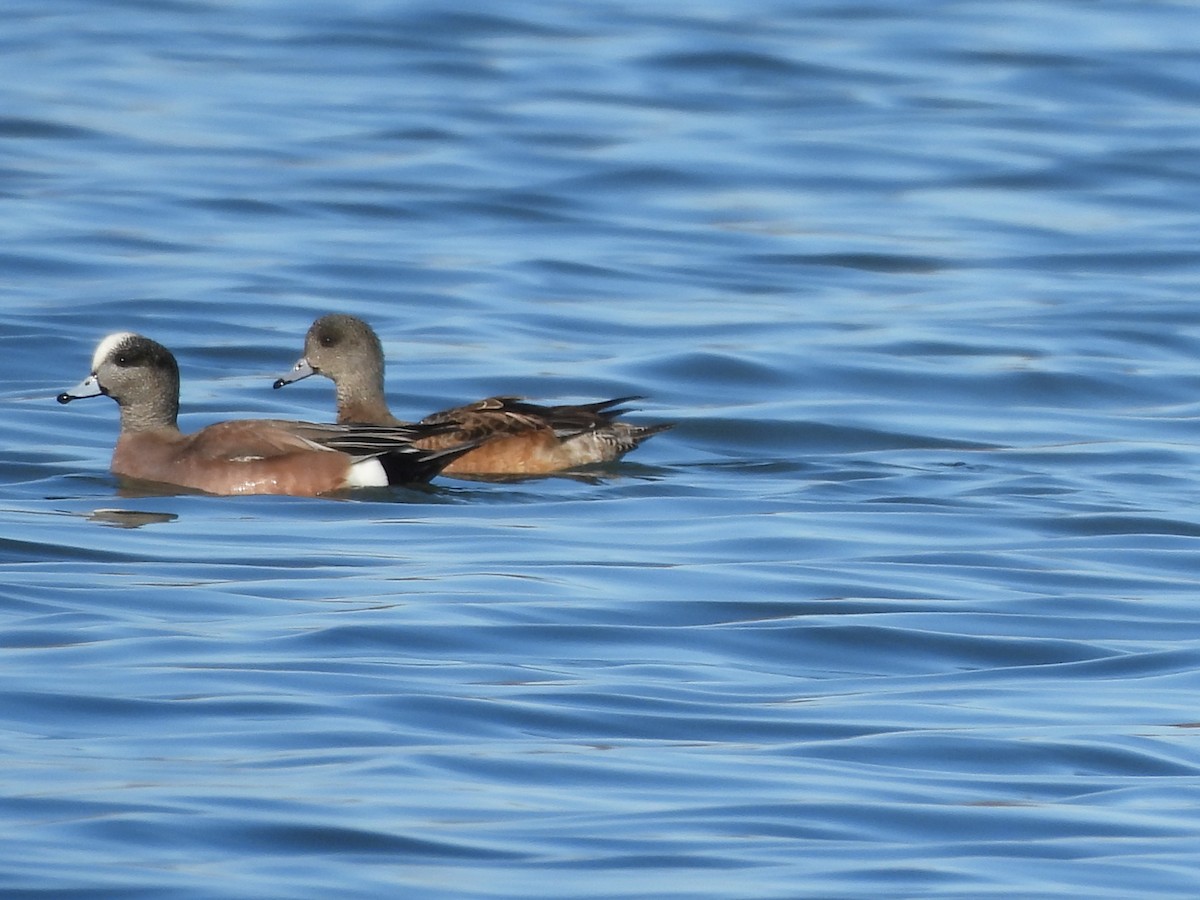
(516,437)
(247,456)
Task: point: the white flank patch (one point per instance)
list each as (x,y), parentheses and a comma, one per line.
(366,473)
(108,345)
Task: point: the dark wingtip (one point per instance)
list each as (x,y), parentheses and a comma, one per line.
(612,409)
(64,397)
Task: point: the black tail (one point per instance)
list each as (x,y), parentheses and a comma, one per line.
(412,465)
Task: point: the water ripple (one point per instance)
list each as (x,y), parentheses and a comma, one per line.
(903,604)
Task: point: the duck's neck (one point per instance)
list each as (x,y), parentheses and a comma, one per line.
(139,417)
(360,399)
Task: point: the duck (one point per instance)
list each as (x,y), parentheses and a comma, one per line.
(516,437)
(244,456)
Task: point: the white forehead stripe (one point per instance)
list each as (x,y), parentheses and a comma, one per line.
(107,346)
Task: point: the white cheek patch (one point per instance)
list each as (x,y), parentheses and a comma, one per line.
(366,473)
(108,345)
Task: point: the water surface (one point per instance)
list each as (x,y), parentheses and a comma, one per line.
(904,605)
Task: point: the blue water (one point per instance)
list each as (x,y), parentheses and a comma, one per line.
(908,603)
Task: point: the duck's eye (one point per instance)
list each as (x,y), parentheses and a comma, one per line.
(328,340)
(123,360)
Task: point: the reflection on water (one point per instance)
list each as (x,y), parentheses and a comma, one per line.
(903,605)
(129,518)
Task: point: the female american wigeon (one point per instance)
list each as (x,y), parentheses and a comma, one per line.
(517,438)
(249,456)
